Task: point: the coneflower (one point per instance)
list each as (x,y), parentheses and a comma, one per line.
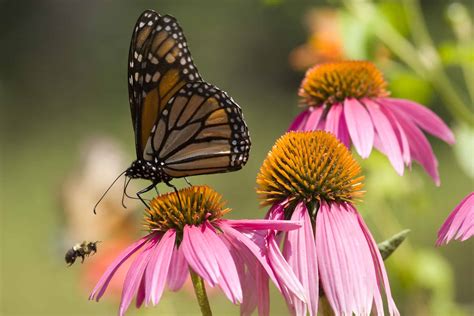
(350,100)
(313,178)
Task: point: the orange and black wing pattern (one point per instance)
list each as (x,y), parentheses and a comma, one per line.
(159,65)
(200,131)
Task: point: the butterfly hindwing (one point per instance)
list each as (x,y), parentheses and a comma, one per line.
(200,131)
(160,64)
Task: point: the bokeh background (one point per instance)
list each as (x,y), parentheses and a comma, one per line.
(66,133)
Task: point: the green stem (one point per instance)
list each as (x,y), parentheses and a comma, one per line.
(200,290)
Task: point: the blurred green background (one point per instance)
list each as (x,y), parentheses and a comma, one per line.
(63,84)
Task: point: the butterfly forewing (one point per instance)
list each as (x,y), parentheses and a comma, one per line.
(160,64)
(201,130)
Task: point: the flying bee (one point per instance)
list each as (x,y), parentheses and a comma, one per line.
(82,250)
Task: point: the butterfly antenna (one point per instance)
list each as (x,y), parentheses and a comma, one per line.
(106,191)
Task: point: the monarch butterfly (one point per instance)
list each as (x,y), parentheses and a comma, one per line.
(183,125)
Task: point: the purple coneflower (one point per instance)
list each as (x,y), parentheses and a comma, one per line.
(460,223)
(350,100)
(189,235)
(313,178)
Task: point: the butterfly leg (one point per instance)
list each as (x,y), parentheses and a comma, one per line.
(177,193)
(187,181)
(148,188)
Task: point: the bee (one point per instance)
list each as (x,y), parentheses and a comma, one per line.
(82,250)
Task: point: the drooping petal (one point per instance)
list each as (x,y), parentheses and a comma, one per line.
(263,292)
(283,270)
(423,117)
(379,266)
(333,120)
(179,270)
(386,134)
(345,261)
(299,121)
(238,239)
(314,120)
(360,126)
(401,136)
(300,252)
(343,132)
(157,270)
(229,278)
(460,223)
(262,224)
(104,281)
(420,148)
(199,254)
(134,276)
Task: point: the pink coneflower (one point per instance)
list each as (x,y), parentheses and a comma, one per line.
(350,100)
(460,223)
(189,235)
(313,178)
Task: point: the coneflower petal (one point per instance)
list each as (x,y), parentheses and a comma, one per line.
(179,270)
(157,271)
(199,254)
(423,117)
(360,126)
(460,223)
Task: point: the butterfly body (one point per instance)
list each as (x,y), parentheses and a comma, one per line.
(183,125)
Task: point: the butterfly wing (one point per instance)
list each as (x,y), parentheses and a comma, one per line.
(160,64)
(200,131)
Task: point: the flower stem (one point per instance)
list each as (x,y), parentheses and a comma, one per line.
(200,290)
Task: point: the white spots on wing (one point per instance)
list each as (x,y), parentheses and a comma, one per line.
(130,80)
(147,78)
(166,19)
(156,76)
(167,28)
(154,60)
(136,76)
(150,23)
(182,61)
(170,58)
(139,58)
(141,24)
(135,54)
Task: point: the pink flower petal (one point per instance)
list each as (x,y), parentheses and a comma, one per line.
(386,134)
(423,117)
(263,292)
(104,281)
(381,274)
(313,122)
(360,126)
(333,119)
(300,252)
(229,278)
(179,270)
(283,270)
(236,237)
(420,148)
(199,254)
(345,261)
(460,223)
(262,224)
(134,277)
(401,136)
(299,121)
(343,132)
(157,270)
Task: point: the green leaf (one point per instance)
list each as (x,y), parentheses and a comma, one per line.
(388,246)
